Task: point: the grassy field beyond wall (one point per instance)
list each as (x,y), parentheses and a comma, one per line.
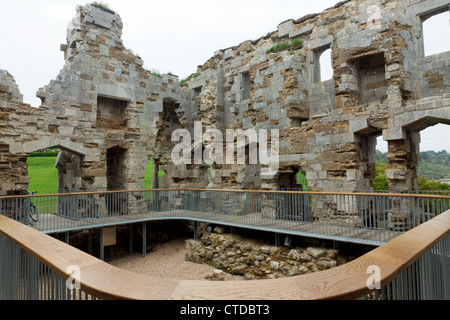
(44,175)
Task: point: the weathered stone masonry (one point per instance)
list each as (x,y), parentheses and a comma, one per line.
(104,107)
(382,86)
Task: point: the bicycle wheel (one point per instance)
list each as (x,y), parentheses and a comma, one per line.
(34,213)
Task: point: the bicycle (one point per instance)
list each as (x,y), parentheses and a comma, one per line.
(32,210)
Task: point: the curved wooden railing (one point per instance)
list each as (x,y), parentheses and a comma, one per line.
(348,281)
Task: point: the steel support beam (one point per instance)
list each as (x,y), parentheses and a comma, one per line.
(144,239)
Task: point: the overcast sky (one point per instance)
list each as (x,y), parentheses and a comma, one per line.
(171,36)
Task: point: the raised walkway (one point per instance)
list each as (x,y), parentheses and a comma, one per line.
(364,218)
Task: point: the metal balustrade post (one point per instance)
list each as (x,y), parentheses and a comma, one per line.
(144,239)
(102,244)
(90,241)
(130,239)
(195,230)
(277,240)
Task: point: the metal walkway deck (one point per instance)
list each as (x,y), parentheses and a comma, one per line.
(364,218)
(250,221)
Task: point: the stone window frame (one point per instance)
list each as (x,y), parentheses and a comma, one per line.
(424,16)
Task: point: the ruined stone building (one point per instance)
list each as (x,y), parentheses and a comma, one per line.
(105,108)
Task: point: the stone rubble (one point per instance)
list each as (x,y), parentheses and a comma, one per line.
(238,256)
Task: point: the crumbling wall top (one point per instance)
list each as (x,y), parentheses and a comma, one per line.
(9,90)
(90,14)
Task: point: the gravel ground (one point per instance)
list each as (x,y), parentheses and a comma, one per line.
(167,261)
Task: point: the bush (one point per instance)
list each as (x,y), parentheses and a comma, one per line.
(43,154)
(425,184)
(380,182)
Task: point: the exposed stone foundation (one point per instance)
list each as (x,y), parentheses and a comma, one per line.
(240,256)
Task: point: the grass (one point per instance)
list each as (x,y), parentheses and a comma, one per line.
(155,73)
(44,176)
(149,174)
(184,82)
(101,5)
(285,46)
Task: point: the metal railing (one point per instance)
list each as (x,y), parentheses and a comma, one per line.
(370,218)
(415,266)
(429,192)
(23,277)
(428,278)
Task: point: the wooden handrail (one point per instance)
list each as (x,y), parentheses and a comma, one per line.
(235,191)
(344,282)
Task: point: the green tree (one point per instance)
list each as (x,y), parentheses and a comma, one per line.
(380,182)
(425,184)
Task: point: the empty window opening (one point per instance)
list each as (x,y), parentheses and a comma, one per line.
(111,113)
(323,64)
(326,67)
(436,32)
(380,182)
(245,86)
(435,156)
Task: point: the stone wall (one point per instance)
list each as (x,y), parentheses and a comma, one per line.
(240,256)
(102,101)
(329,129)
